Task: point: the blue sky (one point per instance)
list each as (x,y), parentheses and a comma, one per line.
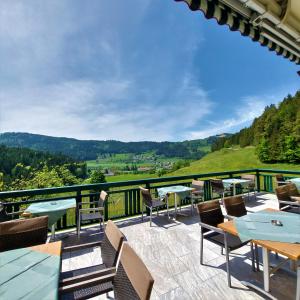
(130,70)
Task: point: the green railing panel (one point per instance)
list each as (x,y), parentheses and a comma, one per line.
(124,197)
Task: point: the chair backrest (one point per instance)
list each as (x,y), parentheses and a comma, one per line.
(210,213)
(251,177)
(133,280)
(23,233)
(284,192)
(198,185)
(111,244)
(217,185)
(102,198)
(279,179)
(146,195)
(235,206)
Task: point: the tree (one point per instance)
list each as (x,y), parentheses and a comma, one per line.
(97,176)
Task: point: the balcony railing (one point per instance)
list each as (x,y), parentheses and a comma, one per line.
(124,197)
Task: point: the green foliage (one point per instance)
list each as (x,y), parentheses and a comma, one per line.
(276,133)
(25,168)
(97,176)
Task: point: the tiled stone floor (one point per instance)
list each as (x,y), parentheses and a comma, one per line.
(170,250)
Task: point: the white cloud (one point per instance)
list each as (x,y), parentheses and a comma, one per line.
(248,109)
(107,70)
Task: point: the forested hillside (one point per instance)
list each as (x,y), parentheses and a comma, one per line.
(22,168)
(275,134)
(89,149)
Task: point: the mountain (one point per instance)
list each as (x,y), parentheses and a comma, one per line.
(91,149)
(275,134)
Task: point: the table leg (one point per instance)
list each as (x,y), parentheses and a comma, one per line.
(167,199)
(175,199)
(53,232)
(298,281)
(266,269)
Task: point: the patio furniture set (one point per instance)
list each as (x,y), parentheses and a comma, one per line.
(30,262)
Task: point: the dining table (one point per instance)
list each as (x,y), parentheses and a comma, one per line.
(296,181)
(54,209)
(179,191)
(228,182)
(31,273)
(274,231)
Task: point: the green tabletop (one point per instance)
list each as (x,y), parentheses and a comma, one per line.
(29,274)
(258,226)
(53,209)
(229,181)
(180,190)
(297,183)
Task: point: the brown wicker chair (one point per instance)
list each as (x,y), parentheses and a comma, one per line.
(131,281)
(91,213)
(110,249)
(197,195)
(235,206)
(150,203)
(23,233)
(288,196)
(217,187)
(251,186)
(210,214)
(280,180)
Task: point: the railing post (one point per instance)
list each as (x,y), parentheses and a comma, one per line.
(78,200)
(258,180)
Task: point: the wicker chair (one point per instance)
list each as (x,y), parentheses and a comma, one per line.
(251,186)
(280,180)
(235,207)
(132,280)
(110,248)
(23,233)
(217,187)
(288,196)
(210,214)
(91,213)
(150,203)
(197,195)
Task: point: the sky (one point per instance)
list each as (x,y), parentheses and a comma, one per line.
(131,70)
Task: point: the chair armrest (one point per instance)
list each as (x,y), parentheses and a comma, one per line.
(296,198)
(212,228)
(87,283)
(92,209)
(289,202)
(84,277)
(82,246)
(229,217)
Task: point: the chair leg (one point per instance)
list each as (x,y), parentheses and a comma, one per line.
(227,261)
(201,248)
(157,211)
(256,257)
(150,216)
(78,226)
(252,257)
(142,212)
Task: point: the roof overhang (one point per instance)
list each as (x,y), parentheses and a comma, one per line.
(273,23)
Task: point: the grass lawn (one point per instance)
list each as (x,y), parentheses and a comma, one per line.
(230,159)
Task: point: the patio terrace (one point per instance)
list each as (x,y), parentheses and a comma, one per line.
(170,250)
